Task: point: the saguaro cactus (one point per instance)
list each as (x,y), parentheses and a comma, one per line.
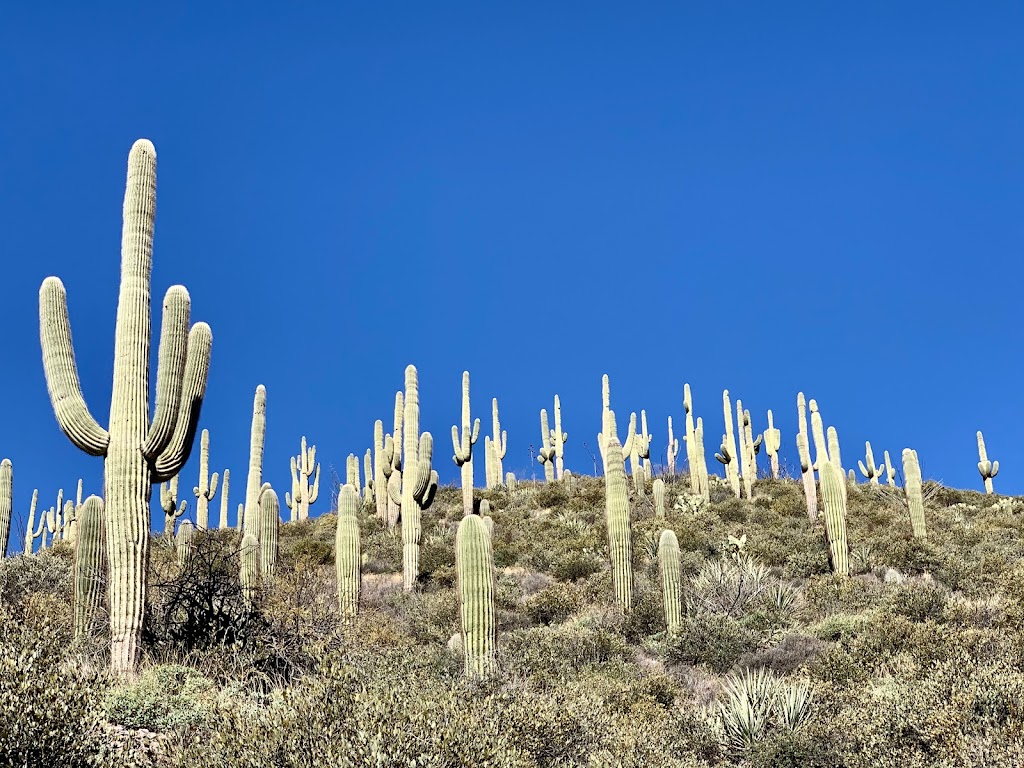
(369,488)
(136,454)
(499,445)
(393,459)
(207,487)
(173,509)
(834,501)
(304,466)
(890,471)
(90,563)
(254,480)
(914,488)
(659,498)
(269,520)
(620,545)
(671,580)
(988,469)
(728,450)
(558,438)
(645,447)
(32,533)
(818,434)
(691,441)
(352,471)
(804,452)
(6,503)
(249,569)
(462,443)
(546,454)
(347,556)
(672,450)
(772,443)
(69,523)
(381,470)
(413,485)
(183,541)
(869,470)
(223,523)
(700,464)
(474,566)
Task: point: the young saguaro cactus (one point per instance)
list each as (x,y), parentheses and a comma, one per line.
(659,498)
(381,470)
(269,521)
(672,450)
(620,545)
(223,522)
(804,453)
(183,541)
(988,469)
(546,454)
(558,438)
(728,450)
(136,453)
(254,480)
(890,471)
(463,441)
(869,470)
(173,509)
(914,488)
(499,445)
(834,501)
(474,567)
(207,488)
(249,569)
(414,485)
(671,580)
(6,503)
(90,563)
(347,555)
(305,466)
(772,444)
(32,533)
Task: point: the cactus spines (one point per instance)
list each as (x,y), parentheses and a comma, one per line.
(474,566)
(728,454)
(254,479)
(412,486)
(249,569)
(546,454)
(463,441)
(833,499)
(499,445)
(806,465)
(173,509)
(988,469)
(659,498)
(620,544)
(671,580)
(347,556)
(772,444)
(304,467)
(223,522)
(183,542)
(31,533)
(558,438)
(90,563)
(6,503)
(136,453)
(869,470)
(672,449)
(890,471)
(914,488)
(207,487)
(269,520)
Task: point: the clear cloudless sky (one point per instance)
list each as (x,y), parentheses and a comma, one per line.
(764,197)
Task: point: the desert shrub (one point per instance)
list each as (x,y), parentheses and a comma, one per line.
(918,600)
(49,572)
(574,565)
(163,698)
(713,641)
(791,653)
(732,510)
(551,495)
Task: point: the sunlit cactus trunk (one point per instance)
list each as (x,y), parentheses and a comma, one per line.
(833,497)
(732,473)
(249,569)
(671,580)
(31,532)
(393,454)
(463,441)
(347,555)
(474,565)
(804,452)
(499,445)
(254,480)
(6,503)
(370,487)
(183,542)
(207,487)
(226,485)
(558,438)
(988,469)
(772,444)
(269,525)
(546,454)
(914,488)
(304,493)
(659,498)
(90,563)
(620,545)
(381,470)
(673,449)
(136,454)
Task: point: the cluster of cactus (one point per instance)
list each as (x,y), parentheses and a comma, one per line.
(914,489)
(207,487)
(463,441)
(474,567)
(347,555)
(304,493)
(136,453)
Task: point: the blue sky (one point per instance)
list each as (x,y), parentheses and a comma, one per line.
(765,197)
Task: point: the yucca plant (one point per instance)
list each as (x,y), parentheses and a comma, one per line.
(757,702)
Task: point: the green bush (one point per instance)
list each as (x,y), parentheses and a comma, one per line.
(163,698)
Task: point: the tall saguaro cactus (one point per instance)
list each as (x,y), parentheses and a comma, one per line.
(90,563)
(463,441)
(691,441)
(645,447)
(558,438)
(620,545)
(381,470)
(546,454)
(474,566)
(223,522)
(671,580)
(772,443)
(347,555)
(6,503)
(732,472)
(304,466)
(393,459)
(369,488)
(269,522)
(988,469)
(136,453)
(804,452)
(672,451)
(254,480)
(833,498)
(207,487)
(914,488)
(700,464)
(499,446)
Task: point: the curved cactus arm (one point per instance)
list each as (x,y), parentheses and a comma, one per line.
(61,371)
(171,360)
(315,490)
(197,370)
(428,494)
(395,486)
(214,478)
(424,473)
(389,455)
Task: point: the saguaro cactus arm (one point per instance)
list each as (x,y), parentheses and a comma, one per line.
(171,361)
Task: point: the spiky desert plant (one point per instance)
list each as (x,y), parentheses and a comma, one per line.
(558,438)
(254,480)
(183,541)
(173,509)
(6,503)
(207,487)
(671,580)
(914,488)
(890,471)
(369,487)
(869,470)
(474,566)
(620,546)
(381,470)
(499,444)
(463,441)
(546,454)
(659,498)
(136,453)
(804,452)
(69,523)
(728,450)
(988,469)
(90,563)
(772,444)
(414,485)
(249,570)
(833,499)
(393,444)
(225,486)
(31,532)
(305,466)
(269,522)
(672,450)
(700,462)
(347,556)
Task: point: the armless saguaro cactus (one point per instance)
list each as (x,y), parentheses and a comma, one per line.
(257,436)
(207,487)
(804,452)
(914,488)
(90,563)
(499,445)
(183,542)
(671,580)
(249,569)
(558,438)
(474,566)
(347,555)
(369,488)
(620,544)
(772,443)
(463,441)
(136,453)
(700,462)
(269,521)
(890,471)
(413,486)
(223,522)
(988,469)
(834,501)
(659,498)
(546,454)
(6,503)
